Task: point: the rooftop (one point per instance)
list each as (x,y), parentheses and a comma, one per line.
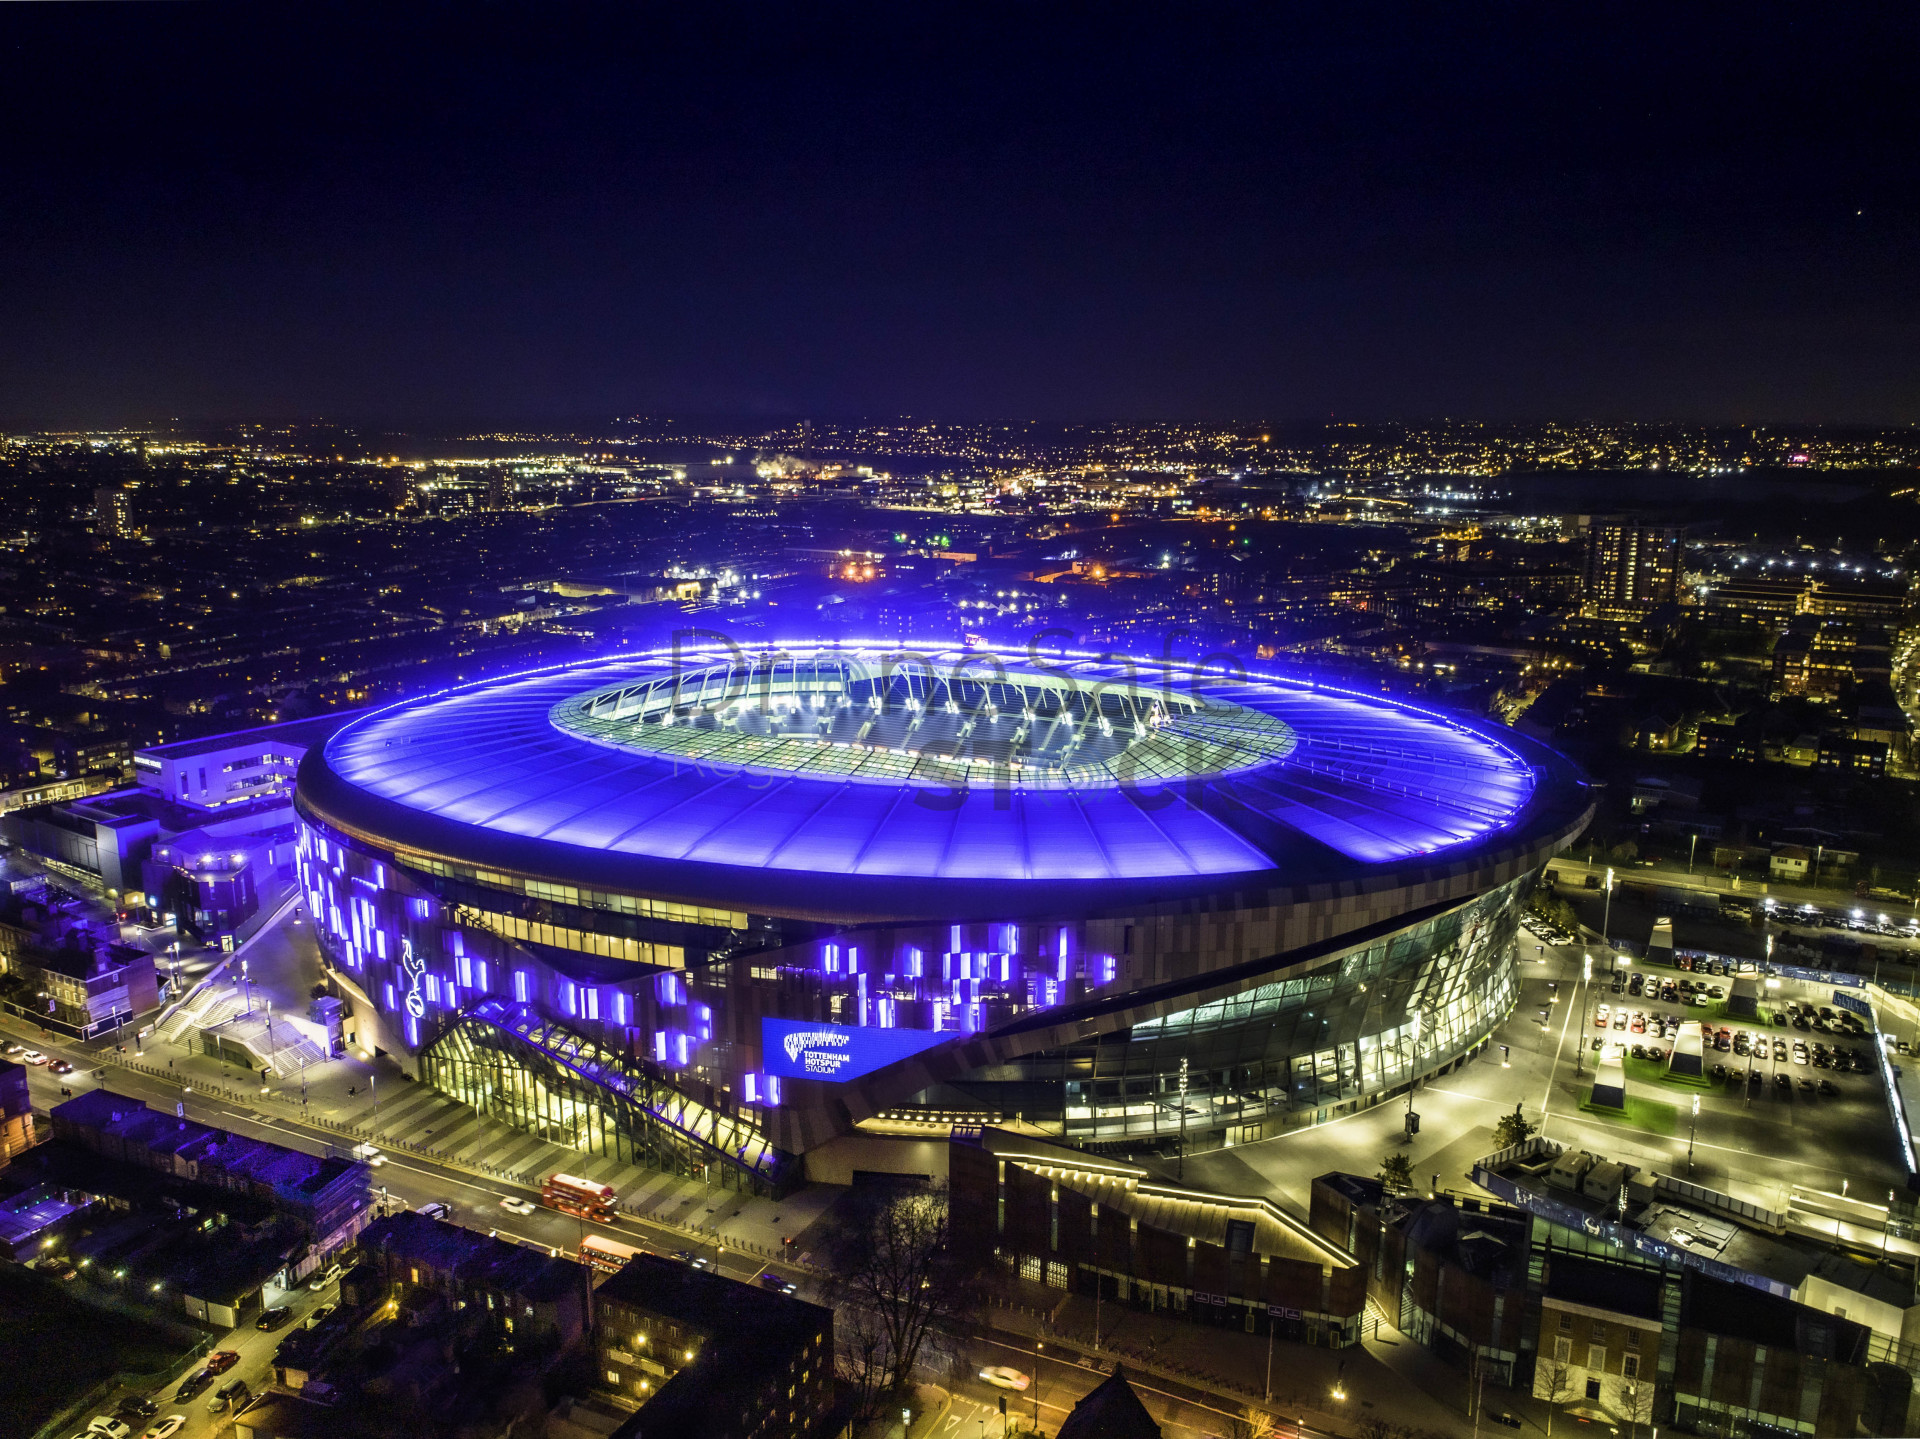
(296,734)
(856,762)
(473,1256)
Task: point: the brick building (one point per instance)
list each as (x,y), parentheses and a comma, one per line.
(1069,1220)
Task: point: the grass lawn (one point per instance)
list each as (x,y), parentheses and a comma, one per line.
(1653,1115)
(1654,1071)
(62,1348)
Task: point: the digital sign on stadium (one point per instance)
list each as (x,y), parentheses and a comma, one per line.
(805,1049)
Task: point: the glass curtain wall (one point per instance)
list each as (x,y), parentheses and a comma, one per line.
(617,1111)
(1361,1023)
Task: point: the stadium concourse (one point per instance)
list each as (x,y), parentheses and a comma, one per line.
(716,911)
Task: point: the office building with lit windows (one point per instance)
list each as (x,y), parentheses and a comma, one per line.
(718,911)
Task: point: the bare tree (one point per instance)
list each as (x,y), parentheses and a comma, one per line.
(861,1361)
(896,1276)
(1251,1423)
(1550,1384)
(1636,1398)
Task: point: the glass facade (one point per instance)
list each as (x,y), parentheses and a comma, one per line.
(554,1082)
(1354,1025)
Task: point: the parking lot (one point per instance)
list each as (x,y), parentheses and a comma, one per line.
(1792,1096)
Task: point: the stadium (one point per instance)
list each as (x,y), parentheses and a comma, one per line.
(716,911)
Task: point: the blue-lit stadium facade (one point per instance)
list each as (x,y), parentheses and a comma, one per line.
(710,910)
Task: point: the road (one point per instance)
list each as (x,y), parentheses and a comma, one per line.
(400,1181)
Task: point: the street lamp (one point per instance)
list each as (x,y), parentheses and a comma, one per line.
(1339,1388)
(1580,1049)
(1606,910)
(1692,1125)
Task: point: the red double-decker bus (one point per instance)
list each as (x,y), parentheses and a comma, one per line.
(580,1197)
(608,1256)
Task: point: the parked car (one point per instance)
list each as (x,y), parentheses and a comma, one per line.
(221,1360)
(167,1427)
(273,1318)
(321,1315)
(137,1406)
(322,1278)
(230,1396)
(192,1385)
(109,1426)
(1783,1082)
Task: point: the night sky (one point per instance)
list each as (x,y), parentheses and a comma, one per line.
(475,215)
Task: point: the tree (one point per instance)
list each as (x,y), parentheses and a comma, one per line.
(1396,1172)
(1513,1129)
(896,1278)
(1624,852)
(1636,1401)
(1550,1378)
(1251,1423)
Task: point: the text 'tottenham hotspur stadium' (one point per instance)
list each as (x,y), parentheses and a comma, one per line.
(721,912)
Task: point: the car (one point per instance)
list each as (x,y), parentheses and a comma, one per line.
(137,1406)
(1779,1018)
(321,1315)
(1799,1054)
(166,1428)
(1002,1376)
(1600,1017)
(61,1066)
(1829,1088)
(230,1396)
(109,1426)
(221,1360)
(1806,1086)
(273,1318)
(368,1155)
(1783,1081)
(1620,1019)
(1639,1025)
(435,1209)
(13,1049)
(324,1277)
(518,1206)
(1719,1072)
(192,1385)
(779,1285)
(32,1056)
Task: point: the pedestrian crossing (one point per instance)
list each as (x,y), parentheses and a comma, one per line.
(421,1117)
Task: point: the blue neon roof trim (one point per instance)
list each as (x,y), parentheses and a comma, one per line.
(1368,779)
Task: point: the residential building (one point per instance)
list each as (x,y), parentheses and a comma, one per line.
(1631,568)
(529,1292)
(1600,1330)
(326,1197)
(16,1111)
(700,1356)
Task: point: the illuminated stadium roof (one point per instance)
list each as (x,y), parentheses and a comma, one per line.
(947,766)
